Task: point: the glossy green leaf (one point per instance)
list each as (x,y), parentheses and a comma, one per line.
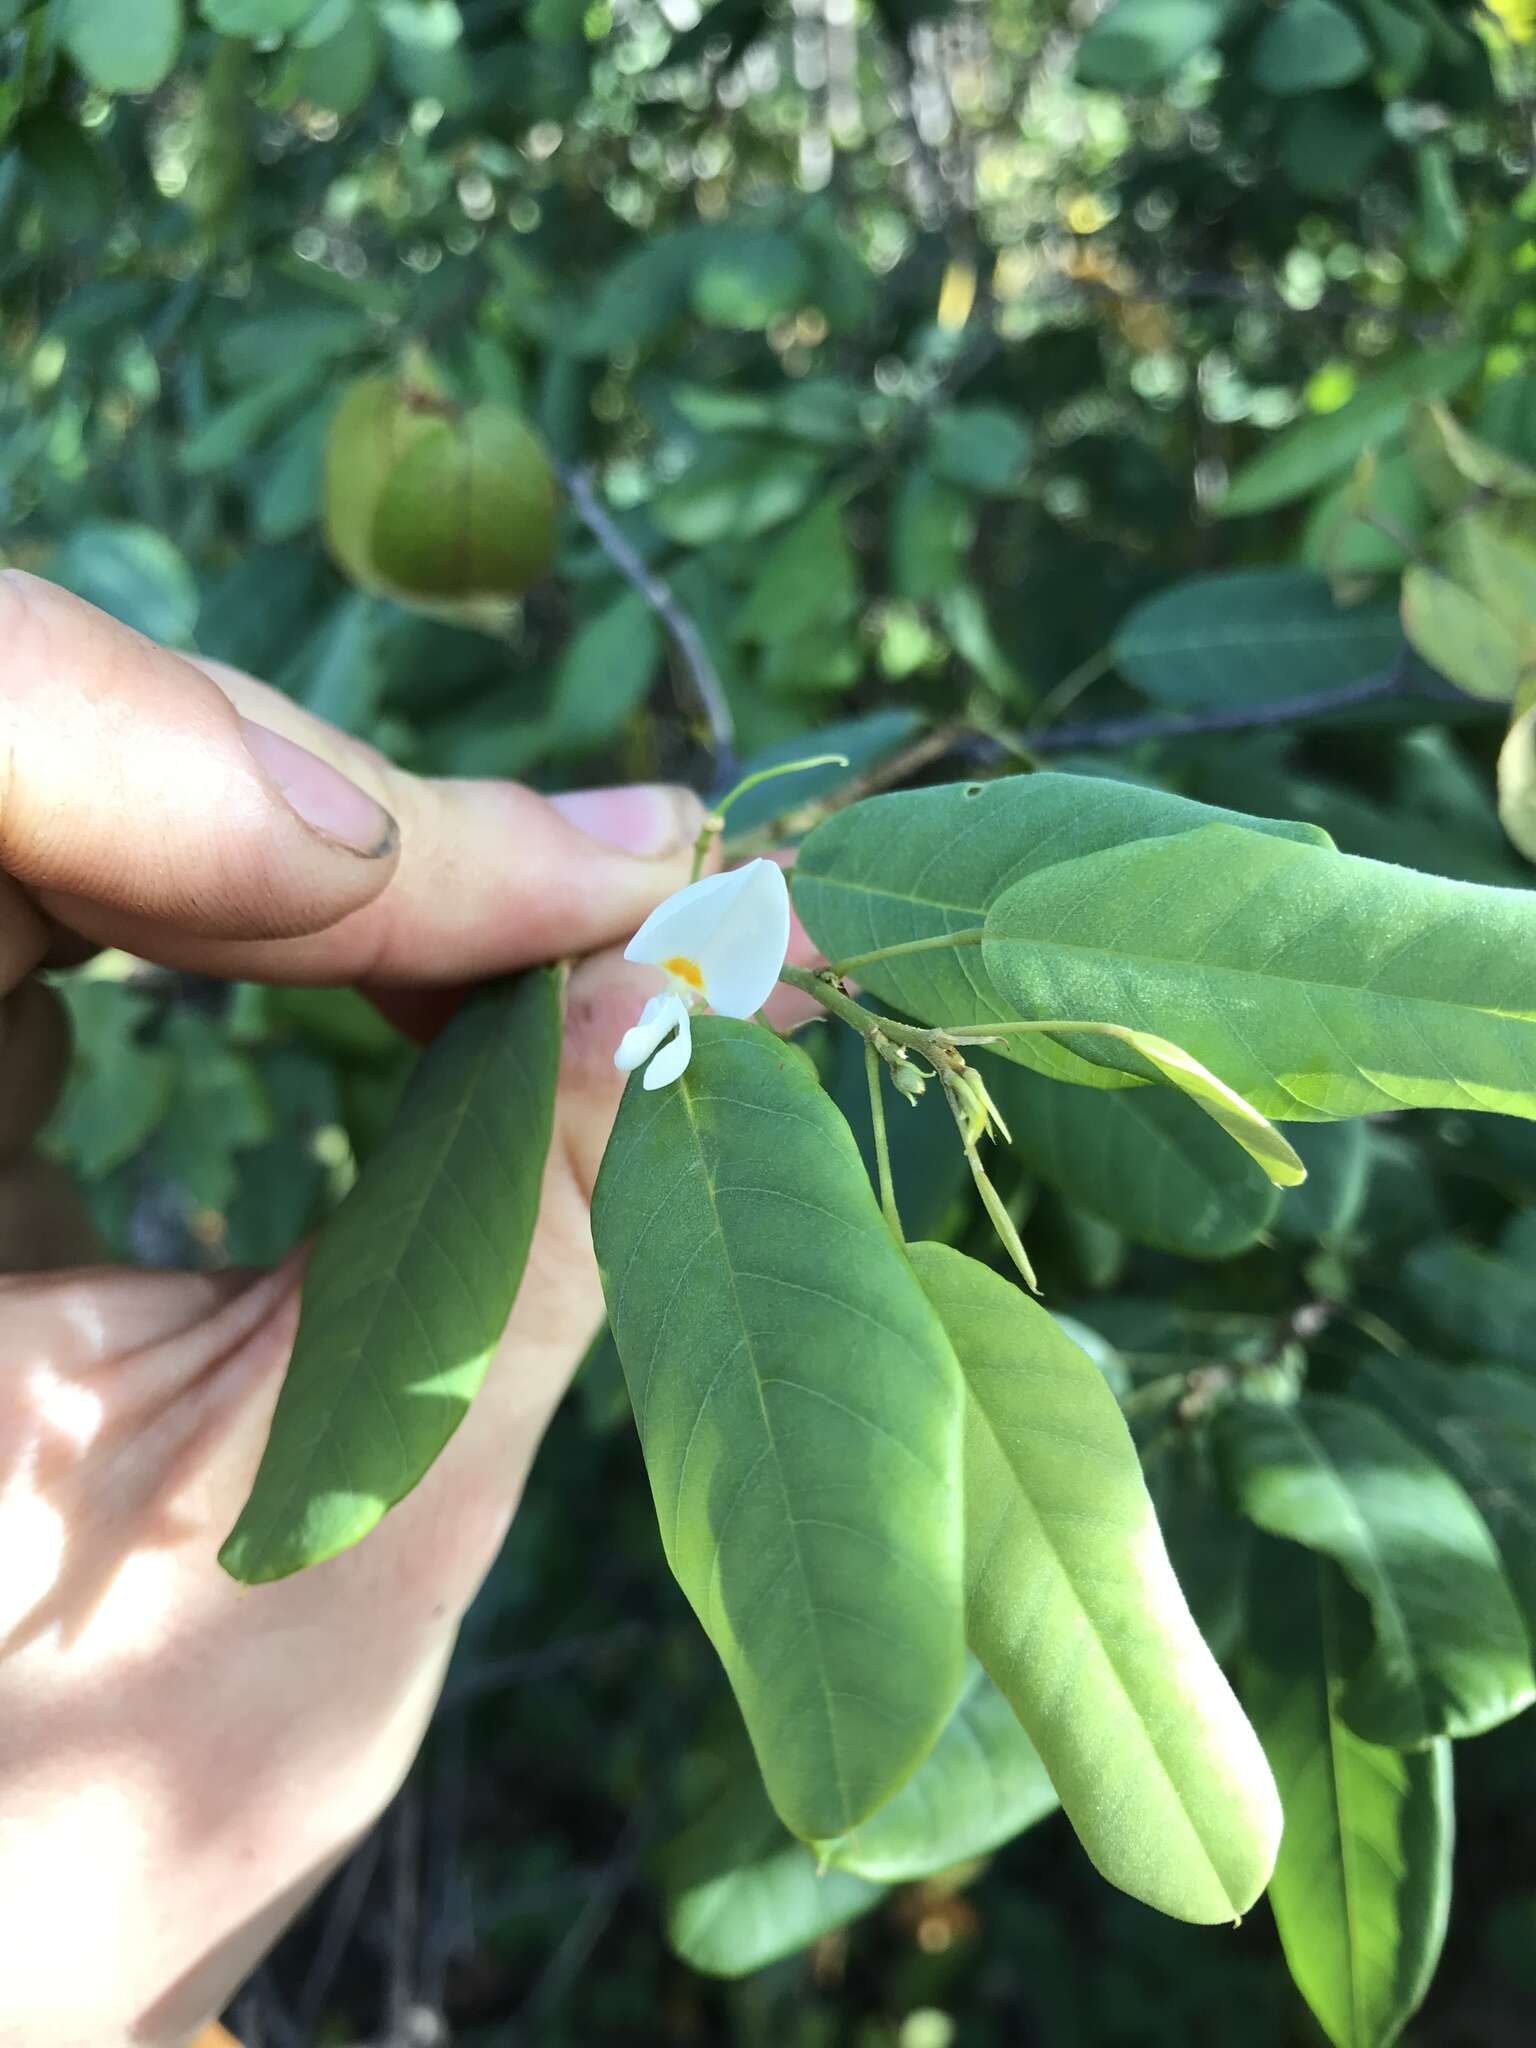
(1318,449)
(1308,46)
(1143,1159)
(979,1786)
(121,48)
(739,1892)
(1076,1614)
(1316,984)
(1458,634)
(410,1286)
(1450,1654)
(799,1410)
(921,863)
(1480,1423)
(1362,1888)
(1251,636)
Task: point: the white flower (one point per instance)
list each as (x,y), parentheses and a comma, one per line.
(720,941)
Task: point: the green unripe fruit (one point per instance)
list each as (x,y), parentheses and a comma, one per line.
(435,505)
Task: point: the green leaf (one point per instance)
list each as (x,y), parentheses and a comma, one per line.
(920,863)
(254,17)
(410,1286)
(799,1411)
(809,578)
(1456,633)
(1480,1424)
(736,490)
(1075,1612)
(979,1786)
(746,279)
(1315,450)
(1308,46)
(740,1893)
(933,524)
(1449,1655)
(1362,1888)
(1137,44)
(604,674)
(132,572)
(982,448)
(1251,636)
(1326,1208)
(234,429)
(121,1087)
(1441,241)
(1517,783)
(1329,143)
(1402,43)
(1316,984)
(118,48)
(1475,1303)
(1143,1159)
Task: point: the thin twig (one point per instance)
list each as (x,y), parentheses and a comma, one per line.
(686,636)
(340,1925)
(1126,732)
(587,1929)
(882,1142)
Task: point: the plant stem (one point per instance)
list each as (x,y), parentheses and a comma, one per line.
(687,638)
(882,1143)
(972,936)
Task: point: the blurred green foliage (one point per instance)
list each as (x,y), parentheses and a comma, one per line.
(917,347)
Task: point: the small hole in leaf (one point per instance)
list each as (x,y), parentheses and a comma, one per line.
(974,788)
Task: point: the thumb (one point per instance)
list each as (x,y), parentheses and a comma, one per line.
(191,815)
(129,780)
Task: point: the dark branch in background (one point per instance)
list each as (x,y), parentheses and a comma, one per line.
(686,637)
(1395,681)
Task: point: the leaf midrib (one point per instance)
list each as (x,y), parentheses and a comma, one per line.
(822,1677)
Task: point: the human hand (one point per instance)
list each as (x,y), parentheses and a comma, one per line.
(183,1760)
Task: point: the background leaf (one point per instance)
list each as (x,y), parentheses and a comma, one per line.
(1251,636)
(1362,1888)
(1450,1654)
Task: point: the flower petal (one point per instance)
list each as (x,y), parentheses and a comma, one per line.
(661,1015)
(673,1058)
(741,957)
(677,926)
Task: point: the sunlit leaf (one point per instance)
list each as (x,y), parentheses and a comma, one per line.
(799,1410)
(1449,1653)
(1316,984)
(1362,1888)
(921,863)
(409,1286)
(1075,1612)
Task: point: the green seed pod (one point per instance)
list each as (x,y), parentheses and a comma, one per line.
(434,505)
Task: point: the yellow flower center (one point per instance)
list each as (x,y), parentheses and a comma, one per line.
(687,971)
